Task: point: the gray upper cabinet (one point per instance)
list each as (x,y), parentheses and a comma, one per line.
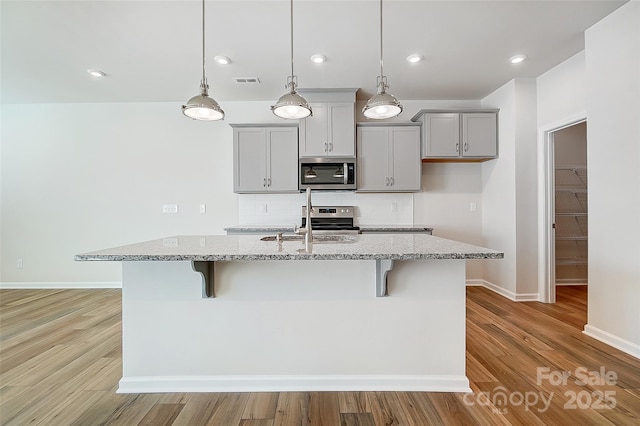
(265,158)
(388,157)
(330,131)
(459,135)
(479,135)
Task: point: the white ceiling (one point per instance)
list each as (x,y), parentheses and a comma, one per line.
(151,50)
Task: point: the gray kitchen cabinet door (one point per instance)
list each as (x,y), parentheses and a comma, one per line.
(373,158)
(441,135)
(314,136)
(406,164)
(341,128)
(479,135)
(329,132)
(388,158)
(282,151)
(265,158)
(249,155)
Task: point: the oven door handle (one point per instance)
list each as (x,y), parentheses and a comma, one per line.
(345,172)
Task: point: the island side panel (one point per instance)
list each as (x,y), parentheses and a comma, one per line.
(294,325)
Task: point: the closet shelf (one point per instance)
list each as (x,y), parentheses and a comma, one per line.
(572,214)
(572,261)
(571,167)
(574,238)
(573,190)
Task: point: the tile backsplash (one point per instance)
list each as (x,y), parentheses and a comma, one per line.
(285,209)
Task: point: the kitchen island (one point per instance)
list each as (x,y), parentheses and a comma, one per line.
(235,313)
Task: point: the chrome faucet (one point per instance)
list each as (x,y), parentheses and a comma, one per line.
(307,230)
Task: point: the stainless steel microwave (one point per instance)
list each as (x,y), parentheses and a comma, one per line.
(327,173)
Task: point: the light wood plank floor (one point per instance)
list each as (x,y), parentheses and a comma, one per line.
(60,362)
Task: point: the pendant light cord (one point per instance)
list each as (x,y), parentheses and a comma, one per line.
(291,41)
(203,51)
(381,71)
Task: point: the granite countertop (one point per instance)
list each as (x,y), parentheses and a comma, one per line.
(394,228)
(261,228)
(364,228)
(250,247)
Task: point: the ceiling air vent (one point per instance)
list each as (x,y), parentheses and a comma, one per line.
(246,80)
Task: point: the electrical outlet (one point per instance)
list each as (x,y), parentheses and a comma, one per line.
(473,207)
(169,208)
(263,208)
(170,242)
(19,264)
(203,208)
(394,207)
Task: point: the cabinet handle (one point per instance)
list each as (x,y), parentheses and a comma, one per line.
(326,147)
(269,182)
(386,183)
(330,146)
(264,182)
(466,147)
(457,147)
(391,181)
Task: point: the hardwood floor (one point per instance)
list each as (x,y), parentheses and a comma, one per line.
(60,364)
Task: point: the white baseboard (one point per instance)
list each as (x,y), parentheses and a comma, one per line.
(286,383)
(516,297)
(60,285)
(612,340)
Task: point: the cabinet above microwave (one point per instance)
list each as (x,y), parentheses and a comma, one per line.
(331,129)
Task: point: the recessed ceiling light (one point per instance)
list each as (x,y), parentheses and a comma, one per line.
(416,57)
(96,72)
(318,58)
(517,59)
(222,60)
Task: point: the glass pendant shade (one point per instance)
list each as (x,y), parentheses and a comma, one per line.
(382,105)
(291,105)
(202,107)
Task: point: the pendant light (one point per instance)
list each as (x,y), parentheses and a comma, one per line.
(202,107)
(291,105)
(382,105)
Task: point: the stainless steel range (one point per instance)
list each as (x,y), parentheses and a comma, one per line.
(331,219)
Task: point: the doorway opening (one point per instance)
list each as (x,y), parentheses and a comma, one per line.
(566,210)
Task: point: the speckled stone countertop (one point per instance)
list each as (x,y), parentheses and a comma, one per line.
(260,228)
(250,247)
(395,228)
(289,228)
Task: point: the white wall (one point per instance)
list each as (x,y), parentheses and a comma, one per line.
(509,196)
(499,195)
(91,176)
(613,158)
(526,190)
(81,177)
(562,93)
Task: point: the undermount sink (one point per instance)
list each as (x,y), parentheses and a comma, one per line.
(316,238)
